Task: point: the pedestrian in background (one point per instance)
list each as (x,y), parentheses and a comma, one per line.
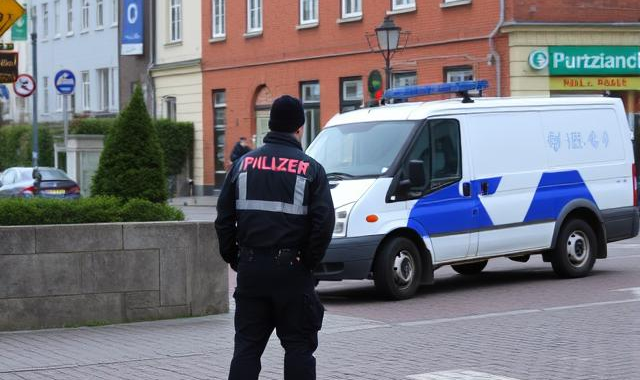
(275,221)
(240,149)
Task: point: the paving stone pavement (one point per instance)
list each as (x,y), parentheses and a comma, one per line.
(553,344)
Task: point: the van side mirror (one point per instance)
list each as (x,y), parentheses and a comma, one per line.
(416,173)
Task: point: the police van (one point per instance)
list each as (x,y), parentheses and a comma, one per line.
(420,185)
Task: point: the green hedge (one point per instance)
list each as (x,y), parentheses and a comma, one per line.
(37,211)
(91,126)
(16,144)
(176,140)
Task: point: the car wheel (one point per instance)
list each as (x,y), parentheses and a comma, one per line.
(575,251)
(471,268)
(397,269)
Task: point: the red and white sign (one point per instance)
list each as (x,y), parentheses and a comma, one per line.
(24,85)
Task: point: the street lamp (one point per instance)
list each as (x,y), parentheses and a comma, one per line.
(388,36)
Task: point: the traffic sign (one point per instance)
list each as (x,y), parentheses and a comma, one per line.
(10,12)
(65,82)
(24,86)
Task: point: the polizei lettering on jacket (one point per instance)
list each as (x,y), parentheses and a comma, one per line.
(276,164)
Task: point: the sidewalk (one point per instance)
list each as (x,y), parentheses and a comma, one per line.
(203,201)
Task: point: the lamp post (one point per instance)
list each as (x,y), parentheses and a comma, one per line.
(388,36)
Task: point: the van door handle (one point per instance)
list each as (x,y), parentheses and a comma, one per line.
(484,188)
(466,189)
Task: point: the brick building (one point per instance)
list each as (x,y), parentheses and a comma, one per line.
(254,51)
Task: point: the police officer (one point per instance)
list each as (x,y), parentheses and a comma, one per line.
(275,220)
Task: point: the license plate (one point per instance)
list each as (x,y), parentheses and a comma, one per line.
(54,192)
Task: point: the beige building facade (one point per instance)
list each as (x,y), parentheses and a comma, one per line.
(570,60)
(177,72)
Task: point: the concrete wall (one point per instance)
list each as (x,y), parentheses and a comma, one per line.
(69,275)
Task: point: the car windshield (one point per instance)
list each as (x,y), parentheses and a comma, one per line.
(360,149)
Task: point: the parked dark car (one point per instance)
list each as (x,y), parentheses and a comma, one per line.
(38,182)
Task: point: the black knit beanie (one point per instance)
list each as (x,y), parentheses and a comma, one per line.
(287,115)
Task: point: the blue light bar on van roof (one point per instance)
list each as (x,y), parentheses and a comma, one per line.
(436,88)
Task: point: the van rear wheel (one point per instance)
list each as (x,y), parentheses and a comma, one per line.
(575,251)
(471,268)
(398,269)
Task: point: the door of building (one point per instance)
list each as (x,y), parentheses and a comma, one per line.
(262,127)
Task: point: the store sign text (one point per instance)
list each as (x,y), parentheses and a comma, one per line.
(592,60)
(591,83)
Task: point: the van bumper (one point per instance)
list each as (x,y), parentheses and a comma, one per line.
(621,223)
(348,258)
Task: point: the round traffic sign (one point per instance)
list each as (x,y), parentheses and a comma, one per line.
(24,85)
(65,82)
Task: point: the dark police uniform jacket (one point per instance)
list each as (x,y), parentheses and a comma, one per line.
(276,197)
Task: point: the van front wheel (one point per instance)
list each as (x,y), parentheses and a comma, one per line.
(397,269)
(575,251)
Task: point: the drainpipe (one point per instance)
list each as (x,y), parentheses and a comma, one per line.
(152,56)
(494,56)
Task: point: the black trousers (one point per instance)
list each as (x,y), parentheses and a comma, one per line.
(275,292)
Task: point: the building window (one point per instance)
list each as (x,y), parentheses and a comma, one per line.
(59,99)
(254,16)
(45,21)
(402,4)
(69,16)
(86,91)
(103,89)
(351,8)
(114,12)
(34,18)
(175,21)
(171,107)
(308,11)
(404,79)
(56,18)
(311,103)
(218,17)
(350,94)
(219,129)
(85,14)
(458,74)
(99,13)
(45,95)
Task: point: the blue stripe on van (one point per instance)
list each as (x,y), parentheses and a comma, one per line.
(447,211)
(554,191)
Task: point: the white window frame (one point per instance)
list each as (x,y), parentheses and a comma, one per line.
(312,86)
(114,84)
(56,18)
(85,15)
(171,107)
(45,21)
(359,92)
(114,12)
(45,97)
(69,17)
(402,4)
(99,14)
(104,89)
(86,90)
(458,74)
(406,74)
(313,6)
(355,4)
(175,21)
(254,16)
(218,19)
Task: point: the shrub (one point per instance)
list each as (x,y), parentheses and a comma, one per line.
(91,126)
(38,211)
(176,140)
(16,146)
(132,162)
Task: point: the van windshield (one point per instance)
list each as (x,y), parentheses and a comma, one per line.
(360,149)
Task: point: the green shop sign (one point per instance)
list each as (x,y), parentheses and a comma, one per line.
(589,60)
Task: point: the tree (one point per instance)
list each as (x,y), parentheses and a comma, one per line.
(132,162)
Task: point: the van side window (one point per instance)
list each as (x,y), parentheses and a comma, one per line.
(419,151)
(446,165)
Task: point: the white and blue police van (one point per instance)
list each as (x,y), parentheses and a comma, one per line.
(420,185)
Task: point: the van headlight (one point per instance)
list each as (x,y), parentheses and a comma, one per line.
(342,215)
